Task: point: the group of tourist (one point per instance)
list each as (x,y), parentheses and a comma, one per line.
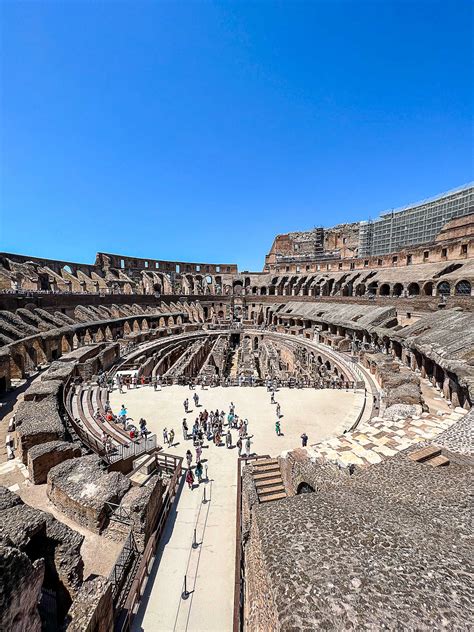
(213,426)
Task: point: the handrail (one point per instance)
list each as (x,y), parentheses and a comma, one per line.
(125,617)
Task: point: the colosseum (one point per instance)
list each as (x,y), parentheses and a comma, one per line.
(186,446)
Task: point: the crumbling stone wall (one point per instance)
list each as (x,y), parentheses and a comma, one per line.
(92,610)
(38,422)
(44,456)
(81,489)
(20,591)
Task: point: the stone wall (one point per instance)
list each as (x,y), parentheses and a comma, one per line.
(36,423)
(44,456)
(92,610)
(20,591)
(81,489)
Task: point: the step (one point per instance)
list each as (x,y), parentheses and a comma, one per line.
(267,499)
(270,490)
(260,462)
(424,454)
(267,468)
(264,476)
(266,482)
(438,461)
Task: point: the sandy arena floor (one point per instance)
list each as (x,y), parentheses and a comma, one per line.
(210,567)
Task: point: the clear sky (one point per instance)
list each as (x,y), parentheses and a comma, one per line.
(199,130)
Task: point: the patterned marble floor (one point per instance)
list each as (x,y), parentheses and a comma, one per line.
(378,438)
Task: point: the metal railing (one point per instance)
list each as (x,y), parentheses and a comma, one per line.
(124,615)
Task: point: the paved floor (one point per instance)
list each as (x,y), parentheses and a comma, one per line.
(210,567)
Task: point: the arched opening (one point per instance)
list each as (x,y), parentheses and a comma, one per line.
(413,289)
(444,289)
(397,289)
(463,288)
(385,289)
(428,289)
(305,488)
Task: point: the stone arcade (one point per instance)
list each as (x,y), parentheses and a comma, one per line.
(367,528)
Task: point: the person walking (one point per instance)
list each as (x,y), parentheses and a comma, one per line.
(304,439)
(198,471)
(165,436)
(171,438)
(190,478)
(247,447)
(228,439)
(278,410)
(277,427)
(189,458)
(198,451)
(239,445)
(196,399)
(272,397)
(186,405)
(185,429)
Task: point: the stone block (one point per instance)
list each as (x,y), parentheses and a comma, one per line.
(44,456)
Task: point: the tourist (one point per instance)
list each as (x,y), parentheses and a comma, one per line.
(239,445)
(186,405)
(189,458)
(277,427)
(198,451)
(196,399)
(143,428)
(165,436)
(304,439)
(185,429)
(272,397)
(123,413)
(228,439)
(190,478)
(278,410)
(247,446)
(198,471)
(171,438)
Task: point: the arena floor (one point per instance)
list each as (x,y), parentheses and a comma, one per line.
(210,567)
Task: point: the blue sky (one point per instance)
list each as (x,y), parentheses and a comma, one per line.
(198,131)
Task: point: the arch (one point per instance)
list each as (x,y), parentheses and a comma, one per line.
(304,488)
(136,327)
(444,289)
(384,289)
(360,289)
(67,268)
(161,322)
(397,289)
(66,344)
(263,291)
(428,289)
(413,289)
(463,288)
(17,365)
(99,335)
(170,321)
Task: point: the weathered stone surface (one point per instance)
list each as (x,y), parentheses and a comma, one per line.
(81,488)
(20,590)
(44,456)
(387,547)
(38,422)
(92,609)
(43,388)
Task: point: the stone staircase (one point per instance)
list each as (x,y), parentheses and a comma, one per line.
(268,481)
